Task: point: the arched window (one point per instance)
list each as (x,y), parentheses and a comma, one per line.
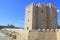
(28,11)
(28,20)
(41,11)
(36,39)
(43,19)
(27,28)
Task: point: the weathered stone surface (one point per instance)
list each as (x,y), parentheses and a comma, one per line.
(40,24)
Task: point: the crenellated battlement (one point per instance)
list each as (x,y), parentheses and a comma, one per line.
(39,5)
(47,30)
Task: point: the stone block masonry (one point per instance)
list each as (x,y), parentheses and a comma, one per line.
(40,24)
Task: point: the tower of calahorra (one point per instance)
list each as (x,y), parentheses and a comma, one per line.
(40,23)
(40,16)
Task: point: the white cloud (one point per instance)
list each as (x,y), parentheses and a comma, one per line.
(58,10)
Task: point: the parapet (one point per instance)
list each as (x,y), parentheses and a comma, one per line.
(41,5)
(46,30)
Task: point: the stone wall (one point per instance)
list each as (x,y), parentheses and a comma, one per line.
(49,34)
(20,34)
(41,34)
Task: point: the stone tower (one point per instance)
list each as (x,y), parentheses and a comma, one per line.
(40,16)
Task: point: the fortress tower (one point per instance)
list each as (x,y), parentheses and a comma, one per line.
(40,16)
(40,23)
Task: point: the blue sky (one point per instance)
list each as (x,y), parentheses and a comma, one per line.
(13,11)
